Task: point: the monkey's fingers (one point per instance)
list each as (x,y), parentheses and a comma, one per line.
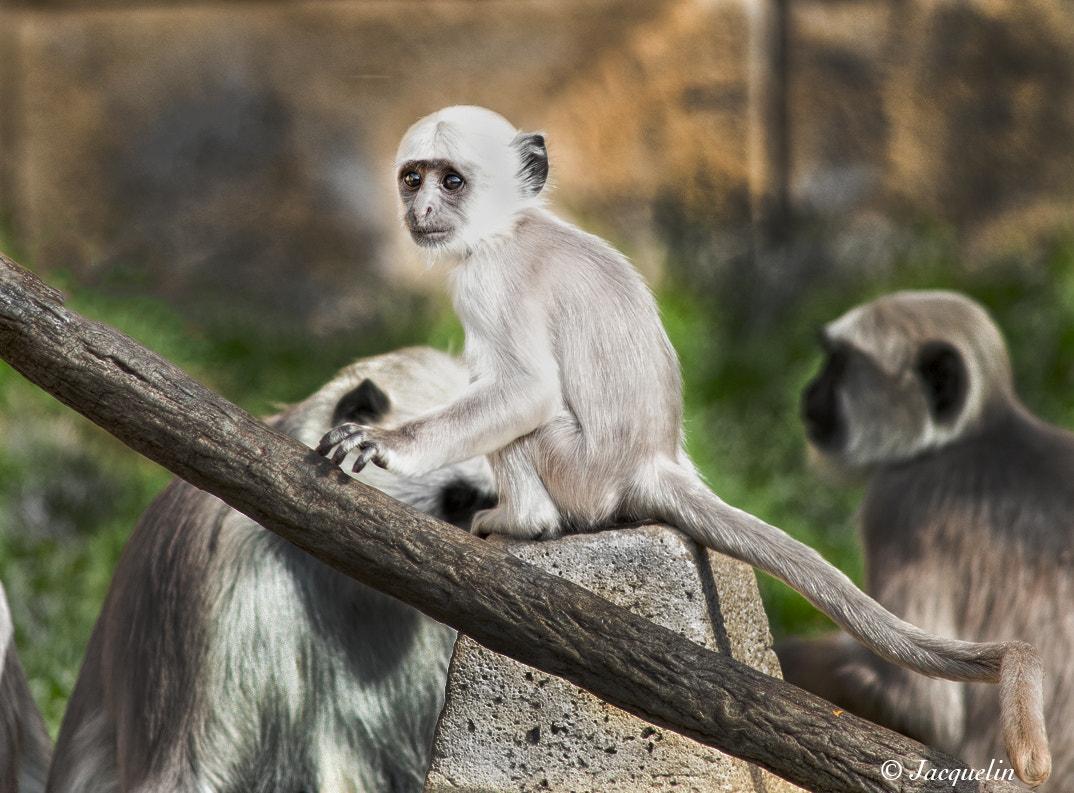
(342,451)
(345,447)
(365,454)
(335,436)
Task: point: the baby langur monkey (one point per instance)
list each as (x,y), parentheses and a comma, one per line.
(575,396)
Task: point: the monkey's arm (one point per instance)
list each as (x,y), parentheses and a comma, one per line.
(515,388)
(489,415)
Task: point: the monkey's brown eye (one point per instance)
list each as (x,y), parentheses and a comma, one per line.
(452,182)
(412,180)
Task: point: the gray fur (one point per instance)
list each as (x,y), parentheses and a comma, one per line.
(225,659)
(576,399)
(24,742)
(965,533)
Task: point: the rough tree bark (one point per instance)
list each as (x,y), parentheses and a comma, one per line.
(504,604)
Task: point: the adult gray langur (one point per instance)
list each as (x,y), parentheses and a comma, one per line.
(24,742)
(575,396)
(966,522)
(226,659)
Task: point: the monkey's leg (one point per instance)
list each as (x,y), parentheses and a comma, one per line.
(525,509)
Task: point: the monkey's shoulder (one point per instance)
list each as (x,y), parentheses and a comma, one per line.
(180,527)
(541,231)
(582,266)
(1015,480)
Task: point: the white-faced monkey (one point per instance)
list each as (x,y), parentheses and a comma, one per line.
(575,396)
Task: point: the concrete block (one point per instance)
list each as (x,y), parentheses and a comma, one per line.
(509,728)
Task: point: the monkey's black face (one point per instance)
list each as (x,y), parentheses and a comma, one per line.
(860,410)
(434,195)
(854,409)
(822,414)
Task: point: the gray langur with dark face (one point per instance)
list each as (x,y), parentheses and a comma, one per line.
(24,742)
(226,659)
(575,396)
(967,519)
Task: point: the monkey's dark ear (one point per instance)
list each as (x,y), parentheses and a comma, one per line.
(533,158)
(362,405)
(943,374)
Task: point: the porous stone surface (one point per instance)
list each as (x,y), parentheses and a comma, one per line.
(511,728)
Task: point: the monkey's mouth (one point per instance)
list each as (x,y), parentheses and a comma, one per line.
(429,238)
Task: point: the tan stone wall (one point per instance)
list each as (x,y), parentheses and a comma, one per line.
(246,145)
(959,111)
(243,148)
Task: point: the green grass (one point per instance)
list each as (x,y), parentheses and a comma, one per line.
(69,493)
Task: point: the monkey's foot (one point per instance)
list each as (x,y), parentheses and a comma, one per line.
(503,521)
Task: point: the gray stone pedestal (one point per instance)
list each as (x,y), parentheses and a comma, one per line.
(509,728)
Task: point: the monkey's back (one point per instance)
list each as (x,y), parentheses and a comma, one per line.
(226,657)
(619,373)
(975,538)
(559,315)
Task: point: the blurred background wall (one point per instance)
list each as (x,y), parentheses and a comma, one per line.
(236,157)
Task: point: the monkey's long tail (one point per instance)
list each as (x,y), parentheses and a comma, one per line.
(686,502)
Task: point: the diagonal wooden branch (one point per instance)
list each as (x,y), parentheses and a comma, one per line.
(504,604)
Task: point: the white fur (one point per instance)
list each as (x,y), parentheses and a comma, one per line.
(480,142)
(7,630)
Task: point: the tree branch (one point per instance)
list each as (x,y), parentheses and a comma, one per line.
(504,604)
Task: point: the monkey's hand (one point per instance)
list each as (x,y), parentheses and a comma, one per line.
(372,445)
